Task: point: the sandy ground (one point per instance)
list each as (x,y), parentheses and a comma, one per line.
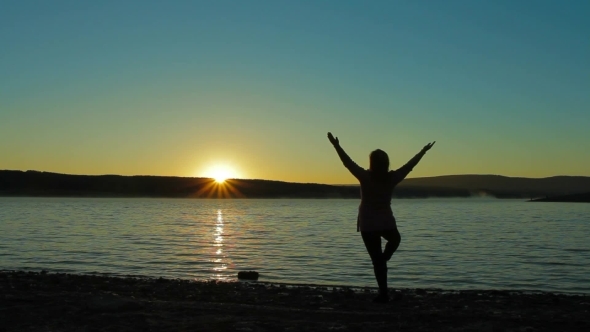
(64,302)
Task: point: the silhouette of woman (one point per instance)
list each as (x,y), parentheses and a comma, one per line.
(375,219)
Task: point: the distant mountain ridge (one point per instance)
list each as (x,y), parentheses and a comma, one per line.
(35,183)
(498,185)
(573,198)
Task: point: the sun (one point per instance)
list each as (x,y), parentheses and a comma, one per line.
(220,173)
(221,181)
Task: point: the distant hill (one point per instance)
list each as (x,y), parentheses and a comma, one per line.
(34,183)
(503,186)
(575,198)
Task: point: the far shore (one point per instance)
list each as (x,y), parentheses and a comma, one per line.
(42,301)
(262,198)
(46,184)
(576,198)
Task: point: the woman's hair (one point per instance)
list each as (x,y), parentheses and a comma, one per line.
(379,165)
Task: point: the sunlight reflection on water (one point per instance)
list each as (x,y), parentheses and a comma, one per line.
(218,244)
(446,243)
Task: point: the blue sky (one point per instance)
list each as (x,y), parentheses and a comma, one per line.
(177,87)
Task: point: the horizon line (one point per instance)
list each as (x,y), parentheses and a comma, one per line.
(255,179)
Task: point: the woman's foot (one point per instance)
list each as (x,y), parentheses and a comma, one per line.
(381,298)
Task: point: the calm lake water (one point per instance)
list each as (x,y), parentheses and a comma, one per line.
(446,243)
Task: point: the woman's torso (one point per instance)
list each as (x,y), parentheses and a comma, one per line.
(375,212)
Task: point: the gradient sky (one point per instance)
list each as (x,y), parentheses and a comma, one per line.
(174,87)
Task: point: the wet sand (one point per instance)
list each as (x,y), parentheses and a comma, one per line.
(31,301)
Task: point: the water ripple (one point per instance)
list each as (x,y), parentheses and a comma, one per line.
(446,243)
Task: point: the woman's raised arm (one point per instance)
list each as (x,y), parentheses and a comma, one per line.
(355,169)
(403,171)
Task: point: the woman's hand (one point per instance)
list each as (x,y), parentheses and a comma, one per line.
(428,146)
(333,140)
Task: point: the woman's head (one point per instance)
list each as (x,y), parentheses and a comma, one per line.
(379,161)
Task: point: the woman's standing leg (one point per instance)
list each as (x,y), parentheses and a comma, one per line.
(372,242)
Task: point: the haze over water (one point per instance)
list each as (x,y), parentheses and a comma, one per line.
(446,243)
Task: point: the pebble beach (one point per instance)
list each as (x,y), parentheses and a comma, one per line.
(42,301)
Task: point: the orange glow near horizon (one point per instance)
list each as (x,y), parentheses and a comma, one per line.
(220,173)
(216,189)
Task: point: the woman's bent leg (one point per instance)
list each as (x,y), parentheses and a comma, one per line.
(393,240)
(372,242)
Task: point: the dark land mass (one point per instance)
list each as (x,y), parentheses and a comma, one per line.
(31,301)
(33,183)
(507,187)
(575,198)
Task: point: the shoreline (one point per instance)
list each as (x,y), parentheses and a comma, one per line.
(39,183)
(323,285)
(89,302)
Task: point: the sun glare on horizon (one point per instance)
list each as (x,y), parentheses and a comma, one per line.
(221,184)
(220,173)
